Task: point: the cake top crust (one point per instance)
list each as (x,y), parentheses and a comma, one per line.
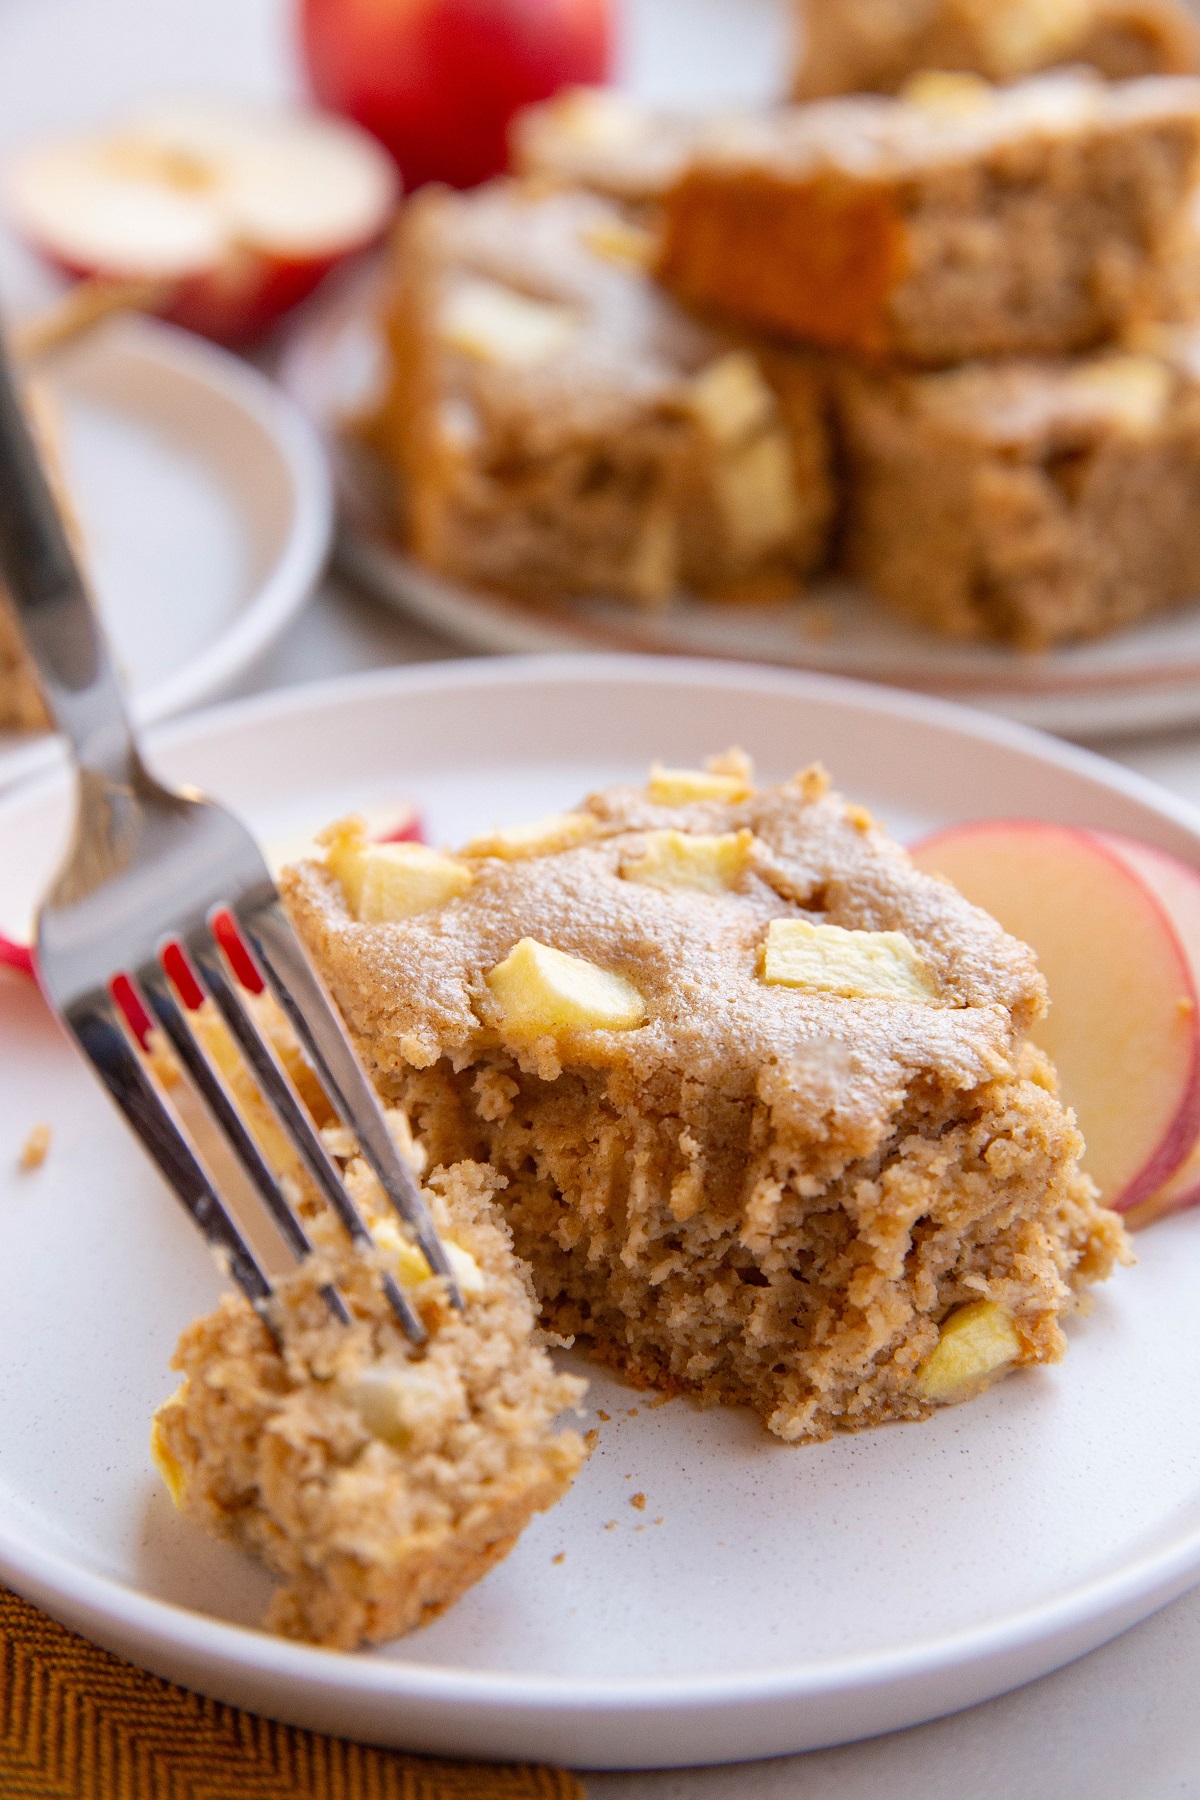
(1040,404)
(538,302)
(875,138)
(418,989)
(608,141)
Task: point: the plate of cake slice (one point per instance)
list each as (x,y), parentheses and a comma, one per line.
(804,1385)
(900,384)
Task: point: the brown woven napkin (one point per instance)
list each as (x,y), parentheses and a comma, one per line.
(79,1724)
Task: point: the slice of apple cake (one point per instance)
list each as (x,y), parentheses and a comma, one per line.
(1033,501)
(378,1481)
(759,1095)
(961,221)
(560,426)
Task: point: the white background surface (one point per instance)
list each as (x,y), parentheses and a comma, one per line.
(1123,1724)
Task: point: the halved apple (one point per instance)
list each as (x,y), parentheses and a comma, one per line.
(231,212)
(1123,1029)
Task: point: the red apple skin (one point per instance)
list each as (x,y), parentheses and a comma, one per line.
(240,302)
(234,304)
(437,81)
(408,828)
(1174,1152)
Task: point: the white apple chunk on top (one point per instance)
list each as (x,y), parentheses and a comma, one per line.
(237,210)
(1123,1029)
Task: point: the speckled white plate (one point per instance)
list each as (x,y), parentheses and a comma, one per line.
(204,502)
(767,1599)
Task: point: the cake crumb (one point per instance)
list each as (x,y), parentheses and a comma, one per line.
(657,1521)
(35,1148)
(603,1416)
(632,1413)
(659,1400)
(610,1525)
(591,1438)
(638,1501)
(561,1557)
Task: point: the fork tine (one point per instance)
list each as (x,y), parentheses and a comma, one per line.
(302,995)
(288,1108)
(153,983)
(95,1024)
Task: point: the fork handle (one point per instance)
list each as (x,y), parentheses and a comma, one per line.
(54,612)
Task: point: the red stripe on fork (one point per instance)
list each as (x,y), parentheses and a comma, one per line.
(179,973)
(17,956)
(225,930)
(136,1016)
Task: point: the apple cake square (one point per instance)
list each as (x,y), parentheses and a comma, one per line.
(561,426)
(1030,501)
(874,46)
(1033,220)
(758,1096)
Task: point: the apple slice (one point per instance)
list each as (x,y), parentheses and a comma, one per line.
(233,212)
(1178,888)
(1123,1029)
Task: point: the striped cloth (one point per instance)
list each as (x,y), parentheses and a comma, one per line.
(79,1724)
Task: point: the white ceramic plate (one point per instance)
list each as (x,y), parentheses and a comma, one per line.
(768,1599)
(204,499)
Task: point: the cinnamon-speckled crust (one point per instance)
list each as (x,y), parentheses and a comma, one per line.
(762,1194)
(693,957)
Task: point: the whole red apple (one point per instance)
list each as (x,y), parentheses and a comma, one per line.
(437,81)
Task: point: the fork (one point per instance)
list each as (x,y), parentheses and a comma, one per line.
(166,891)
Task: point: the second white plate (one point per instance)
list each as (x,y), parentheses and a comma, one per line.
(204,498)
(768,1599)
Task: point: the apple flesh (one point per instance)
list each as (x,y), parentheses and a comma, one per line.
(1123,1029)
(231,213)
(438,81)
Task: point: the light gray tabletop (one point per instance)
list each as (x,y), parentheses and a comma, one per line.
(1123,1723)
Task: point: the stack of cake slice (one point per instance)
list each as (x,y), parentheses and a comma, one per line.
(931,318)
(981,265)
